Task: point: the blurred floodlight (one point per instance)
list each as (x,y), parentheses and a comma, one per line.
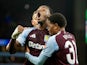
(26,6)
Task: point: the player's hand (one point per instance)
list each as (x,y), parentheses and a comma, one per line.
(17,31)
(10,47)
(44,46)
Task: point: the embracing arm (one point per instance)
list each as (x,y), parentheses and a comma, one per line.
(36,60)
(51,47)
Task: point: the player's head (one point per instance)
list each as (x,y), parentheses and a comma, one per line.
(40,15)
(45,11)
(56,22)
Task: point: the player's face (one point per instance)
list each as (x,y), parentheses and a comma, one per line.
(44,12)
(52,28)
(34,19)
(39,15)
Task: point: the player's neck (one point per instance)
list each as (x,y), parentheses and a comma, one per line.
(62,29)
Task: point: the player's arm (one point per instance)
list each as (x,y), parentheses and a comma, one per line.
(51,47)
(10,47)
(20,41)
(19,29)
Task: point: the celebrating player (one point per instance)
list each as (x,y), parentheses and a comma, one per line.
(35,37)
(60,48)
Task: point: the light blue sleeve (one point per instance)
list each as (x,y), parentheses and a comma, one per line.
(51,46)
(22,37)
(36,60)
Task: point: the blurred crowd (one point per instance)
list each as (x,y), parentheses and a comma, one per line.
(5,57)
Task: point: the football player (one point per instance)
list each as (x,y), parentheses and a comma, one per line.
(61,46)
(32,37)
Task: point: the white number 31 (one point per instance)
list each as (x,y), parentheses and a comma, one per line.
(72,49)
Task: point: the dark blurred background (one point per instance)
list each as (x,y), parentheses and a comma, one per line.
(15,12)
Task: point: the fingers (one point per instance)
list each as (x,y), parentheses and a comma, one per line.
(17,31)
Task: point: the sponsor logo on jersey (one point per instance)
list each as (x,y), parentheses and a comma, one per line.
(33,36)
(35,45)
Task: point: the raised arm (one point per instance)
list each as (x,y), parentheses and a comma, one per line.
(11,47)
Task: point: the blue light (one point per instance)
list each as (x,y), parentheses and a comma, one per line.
(4,42)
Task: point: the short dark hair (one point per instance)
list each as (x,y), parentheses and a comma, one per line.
(59,19)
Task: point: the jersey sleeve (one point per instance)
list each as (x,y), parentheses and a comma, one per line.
(36,60)
(51,47)
(22,37)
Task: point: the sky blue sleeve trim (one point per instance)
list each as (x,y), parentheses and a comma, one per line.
(36,60)
(22,37)
(51,47)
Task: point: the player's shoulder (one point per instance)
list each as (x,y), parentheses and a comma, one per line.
(29,29)
(71,34)
(52,43)
(52,38)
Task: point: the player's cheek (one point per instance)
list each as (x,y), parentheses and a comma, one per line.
(34,22)
(50,31)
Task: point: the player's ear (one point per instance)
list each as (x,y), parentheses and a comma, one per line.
(56,26)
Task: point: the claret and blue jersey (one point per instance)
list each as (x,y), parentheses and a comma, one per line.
(60,50)
(35,40)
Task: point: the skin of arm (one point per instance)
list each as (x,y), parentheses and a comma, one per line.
(14,45)
(11,46)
